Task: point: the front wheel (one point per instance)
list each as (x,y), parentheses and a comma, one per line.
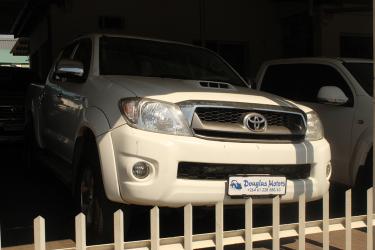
(362,183)
(93,202)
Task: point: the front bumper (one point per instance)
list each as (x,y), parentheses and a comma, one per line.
(164,152)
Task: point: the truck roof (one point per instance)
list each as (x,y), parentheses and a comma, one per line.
(318,60)
(98,35)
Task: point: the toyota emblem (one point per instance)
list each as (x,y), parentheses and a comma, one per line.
(255,122)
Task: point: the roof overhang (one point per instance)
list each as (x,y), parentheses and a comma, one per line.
(9,10)
(30,15)
(21,47)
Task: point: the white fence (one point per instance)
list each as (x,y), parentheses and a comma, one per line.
(221,238)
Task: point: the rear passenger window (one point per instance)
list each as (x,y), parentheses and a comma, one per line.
(301,82)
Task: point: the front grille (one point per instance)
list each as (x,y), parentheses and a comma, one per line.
(219,115)
(11,112)
(229,115)
(210,171)
(224,123)
(246,136)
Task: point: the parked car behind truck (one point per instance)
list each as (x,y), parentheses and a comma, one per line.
(341,92)
(14,82)
(128,120)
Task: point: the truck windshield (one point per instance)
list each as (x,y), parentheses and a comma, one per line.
(363,73)
(137,57)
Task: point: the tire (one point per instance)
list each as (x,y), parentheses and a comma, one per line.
(364,176)
(92,200)
(362,183)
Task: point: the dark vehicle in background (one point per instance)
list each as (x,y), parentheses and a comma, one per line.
(340,90)
(13,85)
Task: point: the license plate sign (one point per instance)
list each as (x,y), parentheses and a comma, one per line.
(256,185)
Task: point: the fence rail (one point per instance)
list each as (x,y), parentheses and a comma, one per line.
(221,238)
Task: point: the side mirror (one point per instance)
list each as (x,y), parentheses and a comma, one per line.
(69,68)
(332,95)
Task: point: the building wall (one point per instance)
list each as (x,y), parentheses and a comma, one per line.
(333,26)
(265,28)
(254,23)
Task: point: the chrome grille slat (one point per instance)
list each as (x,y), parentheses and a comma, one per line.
(235,115)
(226,115)
(224,123)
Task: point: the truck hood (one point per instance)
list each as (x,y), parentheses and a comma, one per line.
(175,91)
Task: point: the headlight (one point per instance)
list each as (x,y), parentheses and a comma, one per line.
(154,116)
(314,127)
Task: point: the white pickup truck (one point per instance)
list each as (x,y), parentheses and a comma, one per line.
(149,122)
(341,92)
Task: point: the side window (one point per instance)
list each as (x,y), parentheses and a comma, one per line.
(280,80)
(65,54)
(83,54)
(301,82)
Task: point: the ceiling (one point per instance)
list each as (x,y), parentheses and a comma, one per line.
(9,10)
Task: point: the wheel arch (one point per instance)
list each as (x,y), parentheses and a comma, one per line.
(361,153)
(95,129)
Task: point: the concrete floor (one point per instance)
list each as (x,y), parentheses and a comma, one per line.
(28,193)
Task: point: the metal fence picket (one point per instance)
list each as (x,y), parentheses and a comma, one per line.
(326,221)
(39,233)
(80,227)
(276,223)
(188,227)
(301,221)
(219,225)
(155,228)
(249,224)
(348,220)
(369,219)
(221,238)
(118,229)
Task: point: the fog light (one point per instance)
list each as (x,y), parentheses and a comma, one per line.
(328,170)
(141,170)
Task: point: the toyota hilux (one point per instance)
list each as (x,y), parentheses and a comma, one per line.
(128,120)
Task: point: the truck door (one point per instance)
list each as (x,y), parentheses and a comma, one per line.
(72,100)
(52,108)
(301,82)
